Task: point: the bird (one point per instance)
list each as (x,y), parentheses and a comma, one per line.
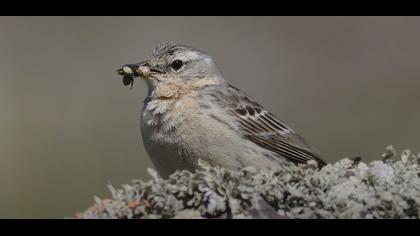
(192,114)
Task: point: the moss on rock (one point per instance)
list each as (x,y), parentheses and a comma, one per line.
(388,188)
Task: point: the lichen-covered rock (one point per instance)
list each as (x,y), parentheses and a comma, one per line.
(346,189)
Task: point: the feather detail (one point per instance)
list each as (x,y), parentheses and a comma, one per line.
(263,128)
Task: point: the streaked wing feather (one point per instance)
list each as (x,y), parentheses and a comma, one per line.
(264,129)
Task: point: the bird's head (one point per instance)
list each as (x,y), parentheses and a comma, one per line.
(172,61)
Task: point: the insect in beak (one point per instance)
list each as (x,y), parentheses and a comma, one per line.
(131,71)
(142,70)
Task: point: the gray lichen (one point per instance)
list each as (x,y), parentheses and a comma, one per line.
(387,188)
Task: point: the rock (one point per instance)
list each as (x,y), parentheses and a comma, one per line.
(388,188)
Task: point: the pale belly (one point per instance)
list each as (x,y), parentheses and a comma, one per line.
(184,145)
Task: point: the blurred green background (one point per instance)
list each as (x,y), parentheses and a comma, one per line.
(349,85)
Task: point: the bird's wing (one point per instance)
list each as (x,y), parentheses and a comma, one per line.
(267,131)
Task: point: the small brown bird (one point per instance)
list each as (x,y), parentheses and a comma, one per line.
(191,113)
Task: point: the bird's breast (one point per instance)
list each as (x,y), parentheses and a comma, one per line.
(167,120)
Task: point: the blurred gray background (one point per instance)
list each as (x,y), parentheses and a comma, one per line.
(349,85)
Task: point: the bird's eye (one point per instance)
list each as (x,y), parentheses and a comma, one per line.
(177,64)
